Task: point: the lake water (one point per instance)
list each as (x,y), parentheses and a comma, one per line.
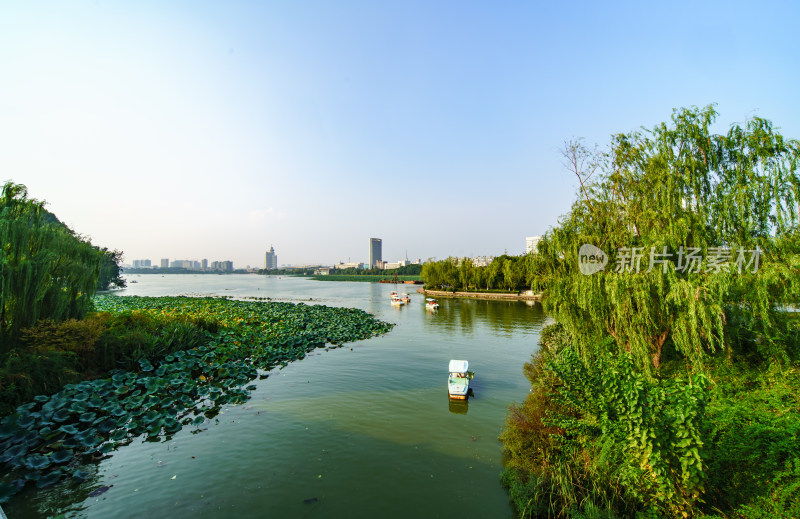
(362,431)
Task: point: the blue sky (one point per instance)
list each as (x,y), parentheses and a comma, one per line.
(194,130)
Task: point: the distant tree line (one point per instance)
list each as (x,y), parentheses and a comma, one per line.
(504,273)
(408,270)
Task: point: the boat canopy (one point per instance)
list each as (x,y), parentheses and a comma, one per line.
(459,366)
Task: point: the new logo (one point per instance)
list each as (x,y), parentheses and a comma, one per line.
(591,259)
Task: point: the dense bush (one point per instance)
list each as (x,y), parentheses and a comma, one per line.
(597,434)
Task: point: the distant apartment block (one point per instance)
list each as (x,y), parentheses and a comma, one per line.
(181,264)
(205,264)
(375,256)
(270,259)
(532,244)
(482,261)
(164,263)
(142,264)
(350,265)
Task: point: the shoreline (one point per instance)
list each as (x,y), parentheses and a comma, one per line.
(525,295)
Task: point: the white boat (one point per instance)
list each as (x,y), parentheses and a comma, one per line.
(458,380)
(396,301)
(431,304)
(406,299)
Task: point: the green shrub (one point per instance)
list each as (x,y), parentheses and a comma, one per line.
(597,436)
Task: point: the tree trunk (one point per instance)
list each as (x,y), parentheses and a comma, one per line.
(658,344)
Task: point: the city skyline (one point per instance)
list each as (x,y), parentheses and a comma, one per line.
(434,126)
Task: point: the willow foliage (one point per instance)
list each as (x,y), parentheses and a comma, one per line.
(46,271)
(732,199)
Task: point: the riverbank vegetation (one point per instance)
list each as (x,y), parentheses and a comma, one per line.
(81,375)
(504,274)
(366,278)
(668,385)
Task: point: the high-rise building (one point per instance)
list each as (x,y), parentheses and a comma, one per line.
(270,259)
(146,263)
(532,244)
(374,251)
(164,263)
(205,264)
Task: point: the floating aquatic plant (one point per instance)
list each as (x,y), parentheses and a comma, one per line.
(51,438)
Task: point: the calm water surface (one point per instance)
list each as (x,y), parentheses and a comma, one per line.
(366,430)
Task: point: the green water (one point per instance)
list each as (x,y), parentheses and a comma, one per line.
(366,430)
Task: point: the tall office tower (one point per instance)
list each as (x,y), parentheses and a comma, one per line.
(205,264)
(374,251)
(270,259)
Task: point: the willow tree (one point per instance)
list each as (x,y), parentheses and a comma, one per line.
(697,231)
(46,271)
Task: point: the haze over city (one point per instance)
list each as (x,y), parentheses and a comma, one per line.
(191,130)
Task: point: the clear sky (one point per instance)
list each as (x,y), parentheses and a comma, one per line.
(190,130)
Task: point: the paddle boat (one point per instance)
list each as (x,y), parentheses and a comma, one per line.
(396,300)
(431,304)
(458,381)
(406,299)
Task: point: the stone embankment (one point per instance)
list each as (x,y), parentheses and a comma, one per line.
(525,295)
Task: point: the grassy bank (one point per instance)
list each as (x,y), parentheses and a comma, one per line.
(154,365)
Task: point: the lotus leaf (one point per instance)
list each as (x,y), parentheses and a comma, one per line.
(48,479)
(106,426)
(171,425)
(62,456)
(61,415)
(118,435)
(88,417)
(145,365)
(79,407)
(16,451)
(37,462)
(90,440)
(25,421)
(106,448)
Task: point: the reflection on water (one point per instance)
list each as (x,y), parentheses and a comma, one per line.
(458,406)
(503,317)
